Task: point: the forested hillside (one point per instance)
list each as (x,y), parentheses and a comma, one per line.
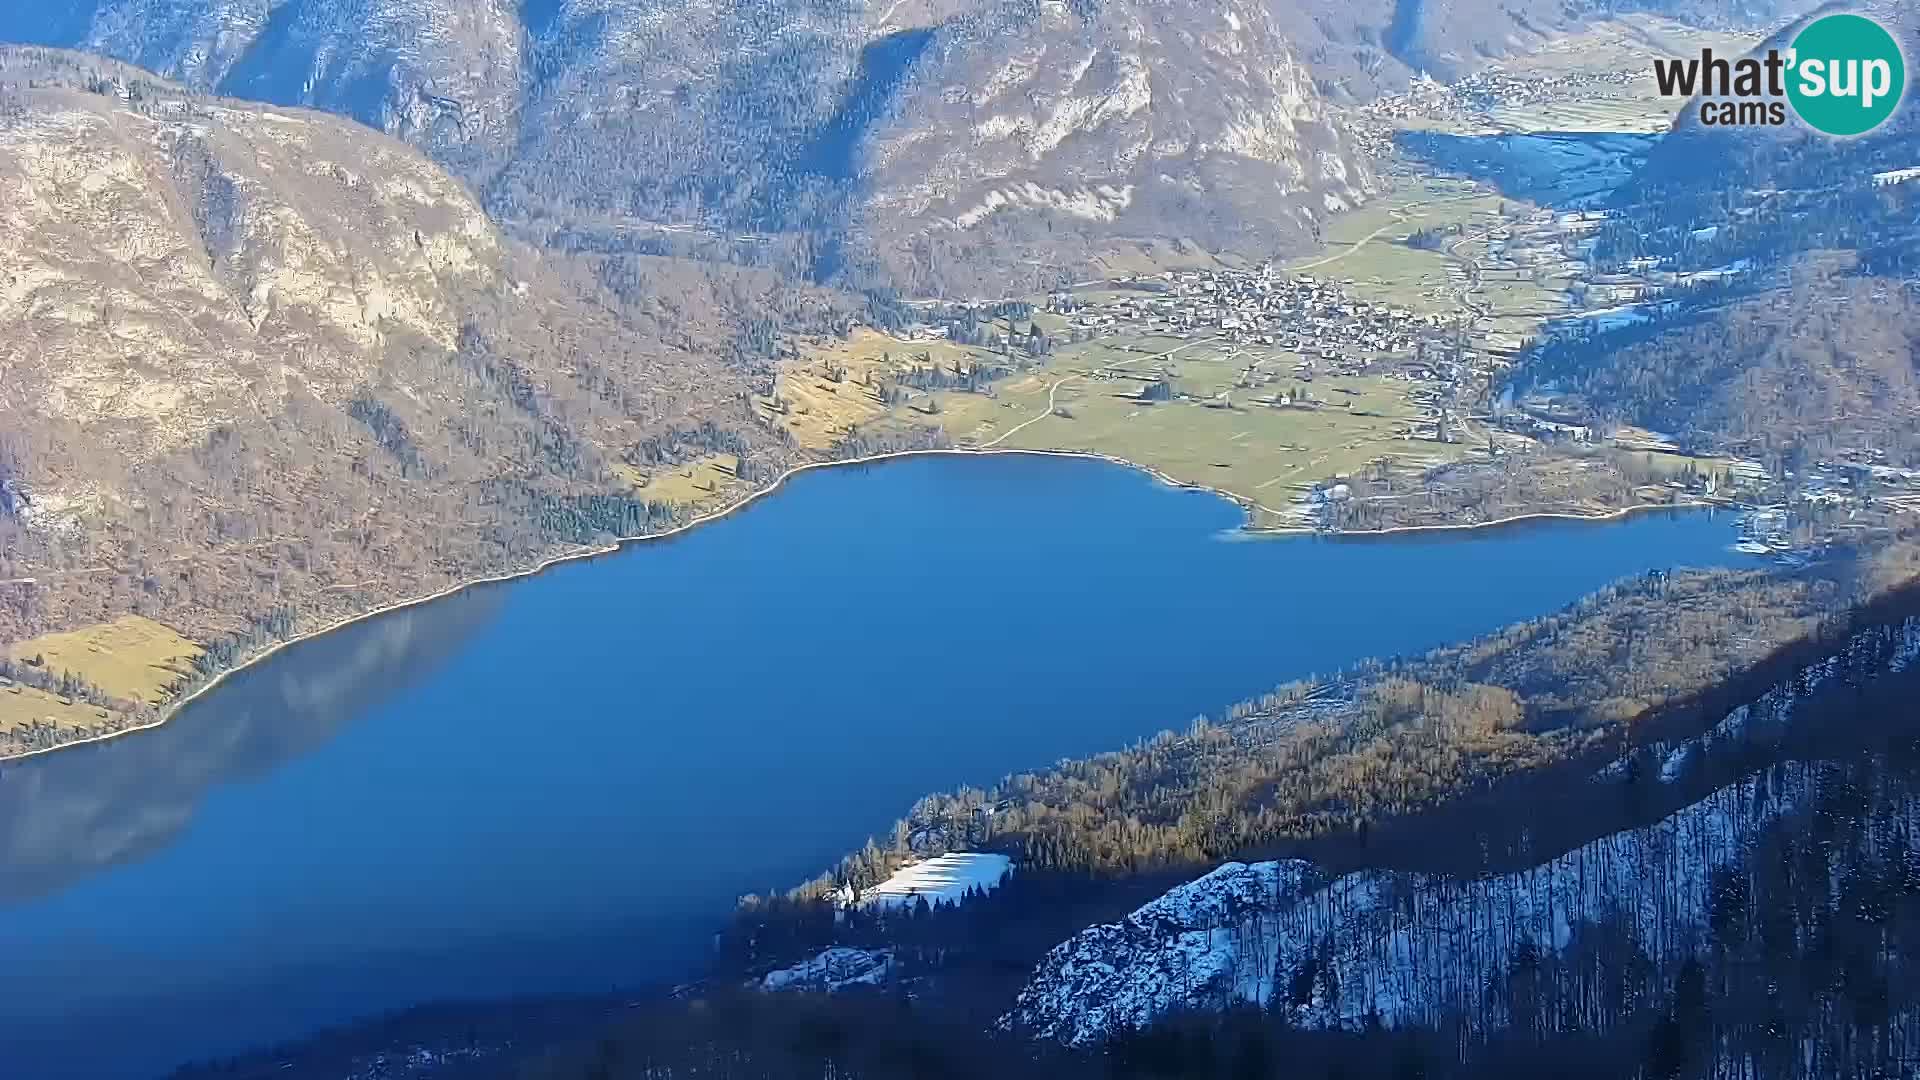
(1822,364)
(1788,332)
(266,368)
(930,147)
(1752,916)
(1799,965)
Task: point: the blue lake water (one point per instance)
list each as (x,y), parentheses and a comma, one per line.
(563,783)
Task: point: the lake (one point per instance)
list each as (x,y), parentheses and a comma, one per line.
(564,782)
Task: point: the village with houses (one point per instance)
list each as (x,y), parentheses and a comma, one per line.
(1379,375)
(1279,333)
(1280,388)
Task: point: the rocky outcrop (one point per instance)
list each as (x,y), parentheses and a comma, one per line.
(169,264)
(1116,120)
(267,340)
(890,120)
(444,76)
(1406,949)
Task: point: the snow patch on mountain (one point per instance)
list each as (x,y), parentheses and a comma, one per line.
(833,969)
(1419,949)
(1394,947)
(943,879)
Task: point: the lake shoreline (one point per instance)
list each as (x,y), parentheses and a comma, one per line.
(173,709)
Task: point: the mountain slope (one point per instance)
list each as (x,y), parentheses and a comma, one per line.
(950,140)
(445,77)
(1825,364)
(1041,127)
(1415,949)
(265,364)
(165,263)
(1787,325)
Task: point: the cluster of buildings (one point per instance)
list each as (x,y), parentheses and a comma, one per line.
(1284,331)
(1319,321)
(1487,91)
(1821,504)
(1474,100)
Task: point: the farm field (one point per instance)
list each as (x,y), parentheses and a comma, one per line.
(1368,253)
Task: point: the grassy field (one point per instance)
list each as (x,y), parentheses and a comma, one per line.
(1085,396)
(710,481)
(1637,110)
(21,705)
(131,658)
(1367,250)
(819,410)
(1264,455)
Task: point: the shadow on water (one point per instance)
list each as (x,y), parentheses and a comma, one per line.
(1560,169)
(69,815)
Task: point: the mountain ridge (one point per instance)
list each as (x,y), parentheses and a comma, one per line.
(1029,137)
(255,352)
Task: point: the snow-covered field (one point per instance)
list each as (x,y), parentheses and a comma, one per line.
(1601,320)
(944,879)
(833,969)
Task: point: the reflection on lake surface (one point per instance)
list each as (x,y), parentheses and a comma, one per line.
(80,811)
(562,783)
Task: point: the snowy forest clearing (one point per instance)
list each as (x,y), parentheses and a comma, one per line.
(944,879)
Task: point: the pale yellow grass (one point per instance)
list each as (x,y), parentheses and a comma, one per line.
(708,481)
(1263,455)
(820,411)
(133,658)
(22,705)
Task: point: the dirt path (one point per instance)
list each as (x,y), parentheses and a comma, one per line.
(1023,425)
(1053,391)
(1338,255)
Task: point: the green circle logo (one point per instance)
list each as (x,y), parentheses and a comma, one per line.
(1846,75)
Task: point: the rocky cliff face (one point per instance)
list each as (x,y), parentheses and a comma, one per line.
(794,115)
(1406,949)
(261,358)
(1122,119)
(169,264)
(950,140)
(443,76)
